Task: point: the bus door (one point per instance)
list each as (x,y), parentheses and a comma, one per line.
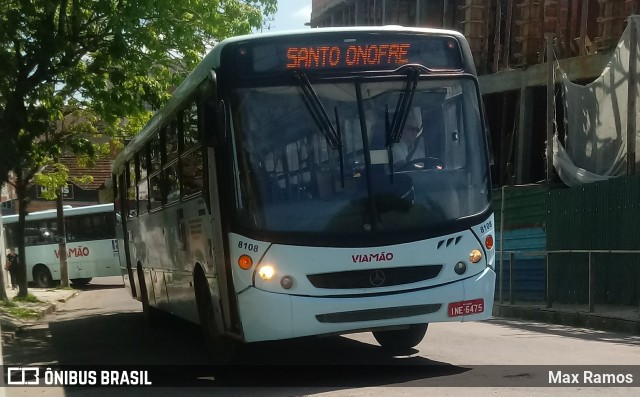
(212,113)
(124,186)
(227,301)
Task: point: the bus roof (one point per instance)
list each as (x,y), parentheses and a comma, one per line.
(52,214)
(212,61)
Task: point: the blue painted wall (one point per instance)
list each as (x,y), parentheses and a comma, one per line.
(528,271)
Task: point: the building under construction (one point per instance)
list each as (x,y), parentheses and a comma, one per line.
(511,41)
(507,38)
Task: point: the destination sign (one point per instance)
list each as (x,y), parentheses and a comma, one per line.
(351,56)
(358,52)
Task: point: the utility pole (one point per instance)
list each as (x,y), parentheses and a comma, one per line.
(62,242)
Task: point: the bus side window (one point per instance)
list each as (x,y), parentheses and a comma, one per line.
(171,140)
(192,175)
(189,128)
(142,169)
(71,228)
(130,207)
(156,155)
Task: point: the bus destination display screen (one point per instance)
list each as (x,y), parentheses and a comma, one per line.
(381,55)
(365,52)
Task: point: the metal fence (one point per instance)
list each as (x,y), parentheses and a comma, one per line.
(581,277)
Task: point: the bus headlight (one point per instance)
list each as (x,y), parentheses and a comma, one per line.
(266,272)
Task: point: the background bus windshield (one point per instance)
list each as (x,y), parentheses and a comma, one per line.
(294,175)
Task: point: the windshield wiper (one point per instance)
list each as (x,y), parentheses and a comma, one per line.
(340,155)
(318,112)
(395,128)
(389,143)
(404,105)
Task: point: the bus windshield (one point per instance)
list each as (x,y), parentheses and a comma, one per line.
(329,160)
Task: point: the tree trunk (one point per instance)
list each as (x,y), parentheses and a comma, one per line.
(21,191)
(62,242)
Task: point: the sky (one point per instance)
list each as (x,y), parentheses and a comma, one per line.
(292,14)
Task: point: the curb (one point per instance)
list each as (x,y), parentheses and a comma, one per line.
(65,300)
(569,318)
(12,326)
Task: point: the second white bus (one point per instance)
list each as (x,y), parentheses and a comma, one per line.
(92,249)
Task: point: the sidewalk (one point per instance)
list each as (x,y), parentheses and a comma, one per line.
(49,299)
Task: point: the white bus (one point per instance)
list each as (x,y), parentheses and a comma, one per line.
(92,249)
(276,195)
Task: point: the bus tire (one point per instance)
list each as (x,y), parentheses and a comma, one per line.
(151,314)
(80,282)
(42,277)
(399,340)
(221,349)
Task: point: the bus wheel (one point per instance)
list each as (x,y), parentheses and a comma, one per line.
(42,276)
(220,348)
(79,282)
(401,339)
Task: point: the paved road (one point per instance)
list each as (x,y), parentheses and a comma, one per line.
(104,326)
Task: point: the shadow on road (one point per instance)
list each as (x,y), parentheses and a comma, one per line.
(571,332)
(174,355)
(95,287)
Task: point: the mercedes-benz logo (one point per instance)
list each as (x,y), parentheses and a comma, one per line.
(377,278)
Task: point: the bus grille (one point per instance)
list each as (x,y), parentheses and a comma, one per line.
(374,278)
(378,314)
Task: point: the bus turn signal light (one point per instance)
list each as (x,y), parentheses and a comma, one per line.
(475,256)
(245,262)
(488,242)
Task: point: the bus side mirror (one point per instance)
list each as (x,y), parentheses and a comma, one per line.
(215,122)
(213,114)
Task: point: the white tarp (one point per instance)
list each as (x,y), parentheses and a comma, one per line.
(596,122)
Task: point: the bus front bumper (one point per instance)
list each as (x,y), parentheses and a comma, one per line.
(272,316)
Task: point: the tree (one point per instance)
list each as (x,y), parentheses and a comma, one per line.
(106,60)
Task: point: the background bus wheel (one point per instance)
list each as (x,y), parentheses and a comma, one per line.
(79,282)
(42,277)
(221,349)
(401,339)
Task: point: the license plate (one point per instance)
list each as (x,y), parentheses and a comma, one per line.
(465,308)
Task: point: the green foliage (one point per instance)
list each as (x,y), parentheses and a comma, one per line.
(51,180)
(20,312)
(18,307)
(73,70)
(30,298)
(7,303)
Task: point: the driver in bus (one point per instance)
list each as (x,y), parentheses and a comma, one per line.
(416,150)
(411,145)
